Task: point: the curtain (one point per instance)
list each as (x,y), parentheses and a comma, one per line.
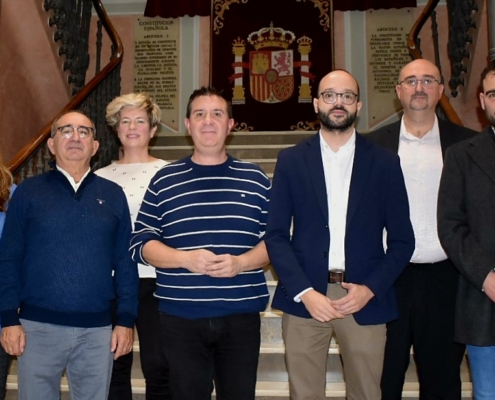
(180,8)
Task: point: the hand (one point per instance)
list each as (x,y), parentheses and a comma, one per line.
(197,260)
(319,306)
(489,286)
(356,298)
(14,340)
(224,266)
(122,341)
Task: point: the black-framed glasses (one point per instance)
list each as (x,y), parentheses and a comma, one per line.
(412,83)
(67,131)
(347,98)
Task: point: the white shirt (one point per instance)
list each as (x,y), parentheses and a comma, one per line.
(422,162)
(134,180)
(72,181)
(337,167)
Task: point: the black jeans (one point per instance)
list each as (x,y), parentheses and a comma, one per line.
(4,370)
(153,363)
(225,349)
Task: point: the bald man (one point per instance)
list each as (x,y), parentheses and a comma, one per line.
(340,191)
(426,290)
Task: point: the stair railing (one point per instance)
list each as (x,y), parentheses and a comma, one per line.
(457,52)
(92,98)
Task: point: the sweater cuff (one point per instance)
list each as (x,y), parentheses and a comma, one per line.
(9,318)
(126,320)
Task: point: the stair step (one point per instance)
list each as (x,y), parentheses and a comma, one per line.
(272,389)
(237,138)
(243,152)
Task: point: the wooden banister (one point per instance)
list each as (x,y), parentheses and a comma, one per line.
(21,158)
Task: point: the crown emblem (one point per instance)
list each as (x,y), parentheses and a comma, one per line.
(271,37)
(304,41)
(238,44)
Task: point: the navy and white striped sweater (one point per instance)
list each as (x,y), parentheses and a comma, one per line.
(220,208)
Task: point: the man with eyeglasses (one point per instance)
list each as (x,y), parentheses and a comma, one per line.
(427,288)
(63,259)
(466,224)
(339,191)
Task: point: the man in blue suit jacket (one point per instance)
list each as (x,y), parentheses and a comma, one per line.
(339,192)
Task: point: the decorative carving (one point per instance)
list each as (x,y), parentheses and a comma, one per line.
(219,8)
(324,7)
(242,127)
(306,126)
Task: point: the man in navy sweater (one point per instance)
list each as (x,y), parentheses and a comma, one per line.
(63,259)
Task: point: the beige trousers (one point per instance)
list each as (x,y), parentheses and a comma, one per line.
(306,351)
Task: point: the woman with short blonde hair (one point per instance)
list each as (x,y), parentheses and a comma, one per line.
(134,117)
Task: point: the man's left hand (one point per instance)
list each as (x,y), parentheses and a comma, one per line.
(356,298)
(224,266)
(122,341)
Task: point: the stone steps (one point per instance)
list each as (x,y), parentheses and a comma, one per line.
(258,147)
(272,374)
(243,152)
(236,138)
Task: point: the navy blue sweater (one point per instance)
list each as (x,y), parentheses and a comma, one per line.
(59,249)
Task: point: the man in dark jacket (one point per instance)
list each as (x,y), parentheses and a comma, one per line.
(466,226)
(339,191)
(426,289)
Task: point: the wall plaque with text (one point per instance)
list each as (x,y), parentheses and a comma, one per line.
(386,38)
(156,64)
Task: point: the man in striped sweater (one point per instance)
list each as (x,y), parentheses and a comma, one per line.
(201,224)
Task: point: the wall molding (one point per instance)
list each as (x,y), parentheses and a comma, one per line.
(124,7)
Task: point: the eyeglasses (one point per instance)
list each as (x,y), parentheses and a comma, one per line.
(347,98)
(412,83)
(67,131)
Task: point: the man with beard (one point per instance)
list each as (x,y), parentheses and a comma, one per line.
(339,191)
(427,288)
(466,225)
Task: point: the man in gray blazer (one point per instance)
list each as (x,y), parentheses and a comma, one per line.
(427,288)
(466,226)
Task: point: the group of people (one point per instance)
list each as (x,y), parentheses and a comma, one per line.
(385,240)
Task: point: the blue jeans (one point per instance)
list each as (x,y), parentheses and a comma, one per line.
(50,349)
(224,349)
(482,364)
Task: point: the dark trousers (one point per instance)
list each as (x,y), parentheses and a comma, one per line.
(4,370)
(225,349)
(153,363)
(426,295)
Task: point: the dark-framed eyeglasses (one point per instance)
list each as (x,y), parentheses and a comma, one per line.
(347,98)
(412,83)
(67,131)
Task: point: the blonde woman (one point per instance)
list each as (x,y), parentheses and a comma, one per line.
(7,187)
(134,117)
